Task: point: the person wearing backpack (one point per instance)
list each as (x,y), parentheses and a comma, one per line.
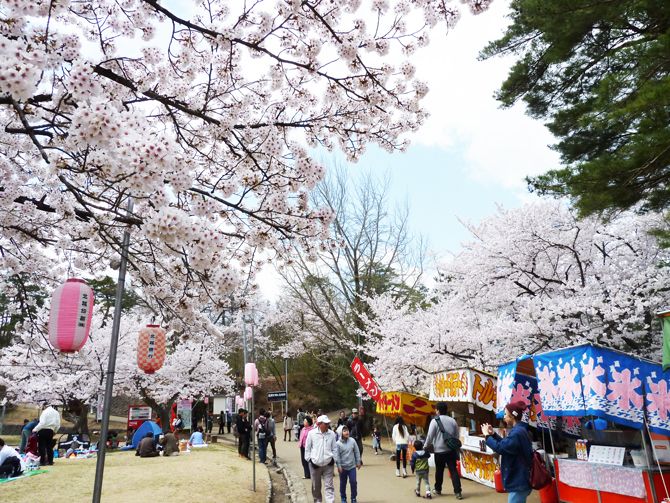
(516,452)
(442,439)
(263,434)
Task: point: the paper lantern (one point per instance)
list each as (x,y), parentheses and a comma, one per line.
(151,348)
(70,315)
(248,393)
(250,374)
(239,402)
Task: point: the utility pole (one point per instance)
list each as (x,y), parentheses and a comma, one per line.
(286,381)
(111,367)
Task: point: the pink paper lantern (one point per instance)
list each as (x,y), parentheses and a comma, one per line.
(239,401)
(151,348)
(70,315)
(248,393)
(250,374)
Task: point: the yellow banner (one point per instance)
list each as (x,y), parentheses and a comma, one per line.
(413,409)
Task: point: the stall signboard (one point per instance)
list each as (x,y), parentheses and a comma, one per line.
(137,414)
(464,385)
(590,380)
(364,378)
(413,409)
(479,466)
(657,398)
(514,386)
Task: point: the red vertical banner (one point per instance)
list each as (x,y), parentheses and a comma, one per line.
(365,379)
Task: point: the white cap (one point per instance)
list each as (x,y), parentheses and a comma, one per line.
(323,419)
(354,410)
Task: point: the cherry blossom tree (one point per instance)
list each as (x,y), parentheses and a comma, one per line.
(33,372)
(206,115)
(531,279)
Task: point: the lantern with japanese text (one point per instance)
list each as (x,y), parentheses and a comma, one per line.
(250,374)
(151,348)
(70,315)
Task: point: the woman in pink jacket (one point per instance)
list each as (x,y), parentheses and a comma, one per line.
(307,427)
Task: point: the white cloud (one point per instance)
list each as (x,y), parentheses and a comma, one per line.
(500,146)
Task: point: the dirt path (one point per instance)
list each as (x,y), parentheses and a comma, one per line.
(377,482)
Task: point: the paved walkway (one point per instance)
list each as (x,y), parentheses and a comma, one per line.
(377,482)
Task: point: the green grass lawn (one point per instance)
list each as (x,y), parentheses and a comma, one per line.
(213,474)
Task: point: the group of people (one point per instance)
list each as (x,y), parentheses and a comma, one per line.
(324,448)
(264,429)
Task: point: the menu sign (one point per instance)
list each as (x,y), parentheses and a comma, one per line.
(607,455)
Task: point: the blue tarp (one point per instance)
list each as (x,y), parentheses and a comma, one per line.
(141,432)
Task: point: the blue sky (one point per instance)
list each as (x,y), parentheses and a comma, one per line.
(440,189)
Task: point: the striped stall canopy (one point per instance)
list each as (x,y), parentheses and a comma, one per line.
(151,348)
(70,315)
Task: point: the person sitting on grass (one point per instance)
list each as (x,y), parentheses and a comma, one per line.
(10,462)
(170,444)
(197,439)
(420,468)
(147,447)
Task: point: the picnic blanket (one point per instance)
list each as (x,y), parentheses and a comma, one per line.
(25,474)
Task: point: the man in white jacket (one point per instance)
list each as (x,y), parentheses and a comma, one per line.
(320,454)
(45,429)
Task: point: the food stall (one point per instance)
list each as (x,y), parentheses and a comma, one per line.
(570,389)
(472,402)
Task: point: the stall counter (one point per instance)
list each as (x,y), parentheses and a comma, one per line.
(580,482)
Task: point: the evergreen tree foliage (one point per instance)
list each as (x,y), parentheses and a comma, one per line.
(599,72)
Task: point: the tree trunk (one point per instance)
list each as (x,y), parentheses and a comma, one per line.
(162,410)
(76,412)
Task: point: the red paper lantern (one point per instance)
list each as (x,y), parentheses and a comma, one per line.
(151,348)
(70,315)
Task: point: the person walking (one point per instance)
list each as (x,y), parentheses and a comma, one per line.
(377,440)
(272,439)
(262,431)
(288,426)
(229,420)
(400,436)
(347,460)
(516,451)
(300,419)
(320,454)
(421,468)
(355,425)
(222,422)
(342,420)
(244,433)
(441,428)
(209,422)
(302,439)
(48,424)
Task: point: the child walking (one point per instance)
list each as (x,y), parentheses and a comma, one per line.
(420,468)
(347,459)
(376,440)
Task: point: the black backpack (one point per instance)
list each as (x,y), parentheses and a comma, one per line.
(452,443)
